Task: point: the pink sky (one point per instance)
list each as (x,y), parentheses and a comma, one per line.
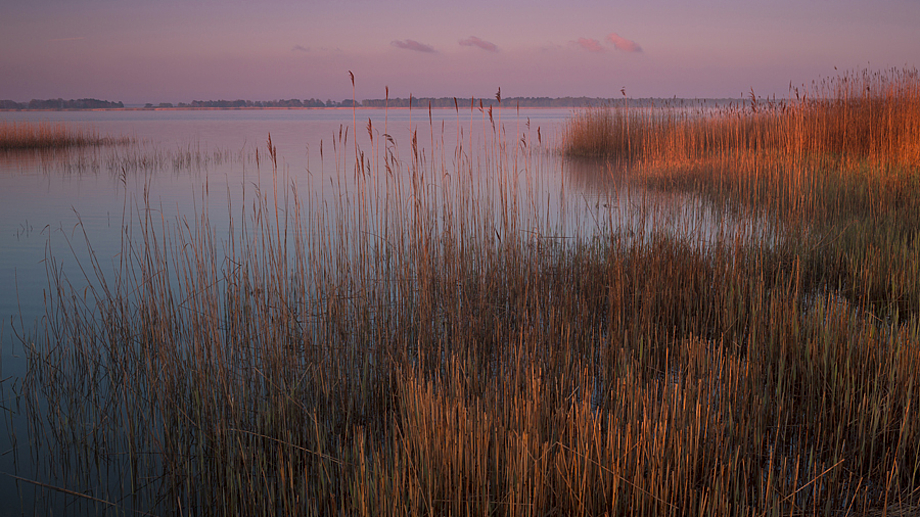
(175,51)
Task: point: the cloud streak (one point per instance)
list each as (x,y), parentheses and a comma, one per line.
(411,44)
(589,44)
(473,41)
(622,43)
(300,48)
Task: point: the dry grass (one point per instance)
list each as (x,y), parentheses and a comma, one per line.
(411,350)
(846,120)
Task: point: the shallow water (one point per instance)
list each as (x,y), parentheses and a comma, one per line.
(74,205)
(182,155)
(69,211)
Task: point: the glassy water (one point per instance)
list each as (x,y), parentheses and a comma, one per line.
(68,212)
(182,157)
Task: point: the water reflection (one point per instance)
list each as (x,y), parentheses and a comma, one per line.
(620,204)
(594,175)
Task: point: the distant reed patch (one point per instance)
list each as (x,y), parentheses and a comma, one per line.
(46,135)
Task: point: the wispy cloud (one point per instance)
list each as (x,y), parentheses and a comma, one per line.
(300,48)
(589,44)
(473,41)
(622,43)
(411,44)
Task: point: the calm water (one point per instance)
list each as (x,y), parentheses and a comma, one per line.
(182,155)
(186,162)
(183,162)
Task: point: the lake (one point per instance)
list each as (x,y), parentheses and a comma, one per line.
(66,214)
(180,154)
(184,162)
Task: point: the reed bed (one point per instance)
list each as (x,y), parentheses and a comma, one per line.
(425,345)
(45,135)
(839,162)
(848,119)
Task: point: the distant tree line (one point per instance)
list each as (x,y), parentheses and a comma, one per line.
(434,102)
(540,102)
(59,104)
(240,103)
(397,102)
(523,102)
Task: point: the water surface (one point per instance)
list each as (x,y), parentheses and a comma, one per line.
(66,213)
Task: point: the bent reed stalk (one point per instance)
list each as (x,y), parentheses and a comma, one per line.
(415,348)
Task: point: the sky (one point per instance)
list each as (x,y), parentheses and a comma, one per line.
(138,51)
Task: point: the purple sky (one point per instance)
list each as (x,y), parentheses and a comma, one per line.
(179,50)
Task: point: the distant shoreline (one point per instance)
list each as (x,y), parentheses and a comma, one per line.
(637,103)
(284,109)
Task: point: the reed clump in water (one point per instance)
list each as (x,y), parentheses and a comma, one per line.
(46,136)
(423,346)
(839,162)
(599,132)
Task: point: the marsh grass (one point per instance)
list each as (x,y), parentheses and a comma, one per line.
(45,136)
(838,162)
(848,119)
(425,345)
